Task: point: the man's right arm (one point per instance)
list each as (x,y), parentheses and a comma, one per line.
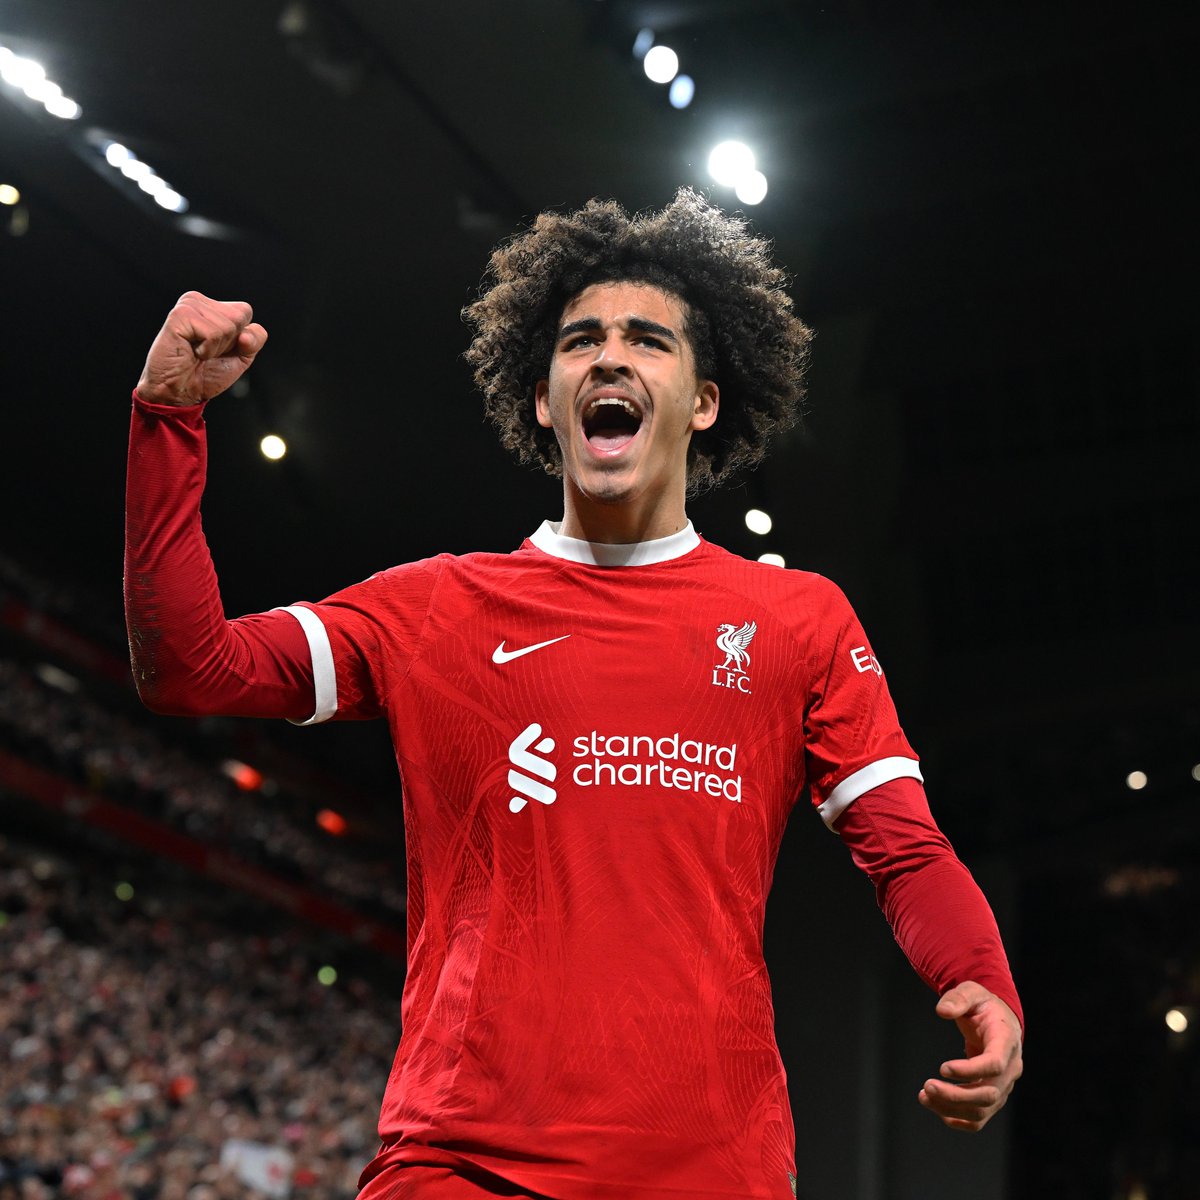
(187,658)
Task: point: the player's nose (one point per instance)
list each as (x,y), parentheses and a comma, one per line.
(612,356)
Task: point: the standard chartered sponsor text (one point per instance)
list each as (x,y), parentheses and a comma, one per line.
(657,761)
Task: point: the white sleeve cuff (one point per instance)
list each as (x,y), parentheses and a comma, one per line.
(873,775)
(324,676)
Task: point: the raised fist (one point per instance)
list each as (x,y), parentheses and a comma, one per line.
(203,347)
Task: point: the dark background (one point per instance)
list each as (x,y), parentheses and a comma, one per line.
(985,214)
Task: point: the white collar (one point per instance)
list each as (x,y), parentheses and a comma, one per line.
(601,554)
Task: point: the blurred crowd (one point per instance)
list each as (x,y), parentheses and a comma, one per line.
(143,1040)
(94,616)
(126,760)
(48,717)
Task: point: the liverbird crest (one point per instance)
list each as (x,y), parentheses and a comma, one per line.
(732,641)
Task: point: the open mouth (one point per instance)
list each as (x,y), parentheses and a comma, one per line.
(610,423)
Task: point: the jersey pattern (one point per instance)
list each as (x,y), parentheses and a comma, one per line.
(597,765)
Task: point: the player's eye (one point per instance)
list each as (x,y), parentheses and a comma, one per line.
(579,339)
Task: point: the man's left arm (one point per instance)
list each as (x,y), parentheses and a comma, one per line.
(948,932)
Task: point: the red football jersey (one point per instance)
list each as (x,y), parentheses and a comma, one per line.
(599,748)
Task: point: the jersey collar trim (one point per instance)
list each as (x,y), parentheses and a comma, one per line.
(598,554)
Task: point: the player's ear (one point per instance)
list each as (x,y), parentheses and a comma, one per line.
(707,401)
(541,403)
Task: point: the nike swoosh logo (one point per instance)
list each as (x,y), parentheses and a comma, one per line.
(500,655)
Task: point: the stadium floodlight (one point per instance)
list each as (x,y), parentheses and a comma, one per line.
(1177,1021)
(20,72)
(29,76)
(171,200)
(9,195)
(643,42)
(41,89)
(135,169)
(273,447)
(661,64)
(751,188)
(142,173)
(758,521)
(64,108)
(683,91)
(1136,780)
(772,560)
(729,162)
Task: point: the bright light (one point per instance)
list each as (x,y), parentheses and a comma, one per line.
(123,891)
(144,176)
(1195,769)
(170,199)
(1136,780)
(332,822)
(661,64)
(30,77)
(683,91)
(772,560)
(56,677)
(42,90)
(9,194)
(758,521)
(729,162)
(20,72)
(273,447)
(245,777)
(1177,1021)
(135,169)
(643,42)
(327,976)
(751,188)
(63,108)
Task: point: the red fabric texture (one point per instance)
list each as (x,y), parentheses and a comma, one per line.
(409,1181)
(187,659)
(935,908)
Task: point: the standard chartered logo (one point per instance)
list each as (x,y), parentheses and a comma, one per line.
(677,763)
(520,755)
(673,762)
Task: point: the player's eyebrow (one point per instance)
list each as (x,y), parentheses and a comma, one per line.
(640,324)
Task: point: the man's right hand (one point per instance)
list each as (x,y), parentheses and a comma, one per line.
(203,347)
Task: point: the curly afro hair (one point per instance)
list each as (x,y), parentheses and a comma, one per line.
(738,320)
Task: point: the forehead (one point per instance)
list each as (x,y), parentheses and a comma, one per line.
(618,301)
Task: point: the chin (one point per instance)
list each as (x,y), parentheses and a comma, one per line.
(608,487)
(607,492)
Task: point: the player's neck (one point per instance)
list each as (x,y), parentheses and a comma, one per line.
(622,523)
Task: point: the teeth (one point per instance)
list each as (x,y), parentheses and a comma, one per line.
(625,404)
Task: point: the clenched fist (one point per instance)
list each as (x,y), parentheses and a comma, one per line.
(203,347)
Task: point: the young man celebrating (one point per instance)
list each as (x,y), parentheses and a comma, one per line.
(600,736)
